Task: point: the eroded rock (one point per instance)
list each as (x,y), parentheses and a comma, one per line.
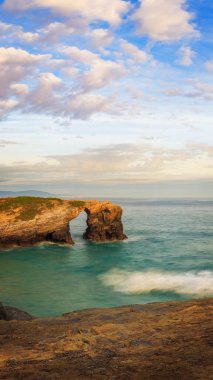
(104,222)
(159,341)
(25,221)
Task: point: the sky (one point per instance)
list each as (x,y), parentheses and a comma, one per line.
(104,98)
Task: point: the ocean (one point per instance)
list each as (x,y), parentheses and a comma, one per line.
(168,256)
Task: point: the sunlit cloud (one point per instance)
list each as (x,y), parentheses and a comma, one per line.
(165,20)
(135,163)
(132,78)
(100,10)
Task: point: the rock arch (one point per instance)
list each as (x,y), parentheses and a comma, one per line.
(19,226)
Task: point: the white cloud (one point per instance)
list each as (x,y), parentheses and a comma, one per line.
(16,32)
(13,56)
(16,65)
(3,28)
(51,33)
(27,37)
(20,89)
(55,30)
(186,55)
(164,20)
(69,71)
(100,38)
(42,94)
(80,55)
(105,10)
(197,89)
(121,163)
(47,93)
(7,106)
(101,74)
(138,55)
(83,106)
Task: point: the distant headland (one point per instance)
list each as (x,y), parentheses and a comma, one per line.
(26,220)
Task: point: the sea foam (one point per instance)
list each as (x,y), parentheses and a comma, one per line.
(193,283)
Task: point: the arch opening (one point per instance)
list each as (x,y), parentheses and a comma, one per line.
(78,226)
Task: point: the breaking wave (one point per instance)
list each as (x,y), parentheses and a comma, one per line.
(193,283)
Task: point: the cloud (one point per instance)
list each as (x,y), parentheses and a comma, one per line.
(54,31)
(137,55)
(19,89)
(68,96)
(42,97)
(8,142)
(100,38)
(103,10)
(165,20)
(80,55)
(4,143)
(140,162)
(7,106)
(16,32)
(83,106)
(186,55)
(121,163)
(16,65)
(3,28)
(14,56)
(198,89)
(51,33)
(204,89)
(101,74)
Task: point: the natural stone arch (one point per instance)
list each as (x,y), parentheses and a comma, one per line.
(20,227)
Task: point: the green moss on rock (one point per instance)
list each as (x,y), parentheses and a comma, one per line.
(28,207)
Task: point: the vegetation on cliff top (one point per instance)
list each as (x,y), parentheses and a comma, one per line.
(77,203)
(26,208)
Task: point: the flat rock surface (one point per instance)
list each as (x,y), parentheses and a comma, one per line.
(162,341)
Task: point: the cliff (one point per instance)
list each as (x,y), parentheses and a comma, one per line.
(161,341)
(26,221)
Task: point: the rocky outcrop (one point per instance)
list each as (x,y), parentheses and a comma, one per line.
(26,221)
(161,341)
(9,313)
(104,222)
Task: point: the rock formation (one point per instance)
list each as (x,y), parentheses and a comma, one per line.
(104,222)
(9,313)
(161,341)
(25,221)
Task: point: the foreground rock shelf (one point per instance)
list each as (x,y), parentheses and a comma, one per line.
(161,341)
(25,221)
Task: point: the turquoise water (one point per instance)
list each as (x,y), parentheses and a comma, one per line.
(168,256)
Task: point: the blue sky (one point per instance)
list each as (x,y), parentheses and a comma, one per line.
(113,99)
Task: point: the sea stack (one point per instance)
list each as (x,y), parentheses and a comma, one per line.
(104,222)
